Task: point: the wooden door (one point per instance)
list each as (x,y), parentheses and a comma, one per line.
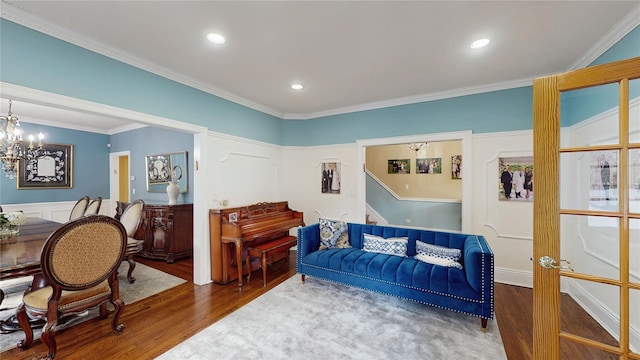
(587,208)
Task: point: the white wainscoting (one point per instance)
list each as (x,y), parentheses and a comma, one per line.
(55,211)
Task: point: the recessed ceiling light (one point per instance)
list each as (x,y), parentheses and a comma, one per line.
(216,38)
(297,86)
(480,43)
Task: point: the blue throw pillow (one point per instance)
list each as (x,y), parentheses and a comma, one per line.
(333,234)
(392,246)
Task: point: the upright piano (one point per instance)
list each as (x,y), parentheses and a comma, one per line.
(231,228)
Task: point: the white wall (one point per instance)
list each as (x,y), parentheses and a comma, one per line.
(507,226)
(302,181)
(242,172)
(55,211)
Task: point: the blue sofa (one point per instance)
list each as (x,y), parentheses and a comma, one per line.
(468,290)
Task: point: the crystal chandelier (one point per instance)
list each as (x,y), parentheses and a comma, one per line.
(417,146)
(12,146)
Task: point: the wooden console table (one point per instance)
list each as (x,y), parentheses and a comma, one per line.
(167,231)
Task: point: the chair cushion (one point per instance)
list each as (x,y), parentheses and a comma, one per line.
(38,299)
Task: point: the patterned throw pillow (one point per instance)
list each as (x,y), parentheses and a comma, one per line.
(392,246)
(438,251)
(438,261)
(438,255)
(333,234)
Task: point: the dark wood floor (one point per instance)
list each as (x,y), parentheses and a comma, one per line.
(158,323)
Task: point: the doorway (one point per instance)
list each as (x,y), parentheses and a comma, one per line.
(463,136)
(119,178)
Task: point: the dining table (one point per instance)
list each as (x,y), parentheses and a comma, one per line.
(20,255)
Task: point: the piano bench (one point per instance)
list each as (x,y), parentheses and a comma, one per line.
(266,250)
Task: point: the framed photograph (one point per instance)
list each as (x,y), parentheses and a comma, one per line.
(456,167)
(330,178)
(515,175)
(50,167)
(399,166)
(429,166)
(162,168)
(604,175)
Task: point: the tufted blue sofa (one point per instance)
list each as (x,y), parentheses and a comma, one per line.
(468,290)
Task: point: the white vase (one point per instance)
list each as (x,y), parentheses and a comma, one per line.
(172,191)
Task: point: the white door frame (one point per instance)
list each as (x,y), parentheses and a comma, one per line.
(464,136)
(201,257)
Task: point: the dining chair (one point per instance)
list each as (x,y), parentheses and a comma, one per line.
(79,208)
(94,207)
(131,218)
(79,263)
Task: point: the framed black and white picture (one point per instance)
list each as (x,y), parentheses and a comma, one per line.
(330,178)
(49,167)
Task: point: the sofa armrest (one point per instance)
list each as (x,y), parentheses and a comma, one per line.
(478,264)
(308,240)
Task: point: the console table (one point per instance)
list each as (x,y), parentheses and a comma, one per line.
(167,231)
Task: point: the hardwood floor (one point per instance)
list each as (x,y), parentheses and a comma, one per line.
(156,324)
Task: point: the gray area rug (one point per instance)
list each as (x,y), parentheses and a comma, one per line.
(149,281)
(326,320)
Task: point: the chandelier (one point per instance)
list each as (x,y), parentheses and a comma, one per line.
(12,146)
(417,146)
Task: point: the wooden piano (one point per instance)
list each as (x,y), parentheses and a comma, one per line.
(231,228)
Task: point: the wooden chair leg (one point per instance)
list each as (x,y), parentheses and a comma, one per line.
(23,320)
(48,337)
(132,265)
(118,306)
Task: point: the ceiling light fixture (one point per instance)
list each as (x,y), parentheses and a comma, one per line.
(297,86)
(417,146)
(216,38)
(480,43)
(12,147)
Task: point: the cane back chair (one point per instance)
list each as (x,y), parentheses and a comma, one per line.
(79,264)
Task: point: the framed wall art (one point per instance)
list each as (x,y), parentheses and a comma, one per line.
(515,176)
(162,168)
(49,167)
(399,166)
(331,178)
(456,167)
(429,166)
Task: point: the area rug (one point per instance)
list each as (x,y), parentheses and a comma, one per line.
(149,281)
(326,320)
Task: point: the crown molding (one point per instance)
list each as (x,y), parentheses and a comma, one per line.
(620,30)
(21,17)
(415,99)
(14,14)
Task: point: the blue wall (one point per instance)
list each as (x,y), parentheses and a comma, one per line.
(431,214)
(35,60)
(151,141)
(504,110)
(90,167)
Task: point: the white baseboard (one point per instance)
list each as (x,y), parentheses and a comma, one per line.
(513,277)
(607,318)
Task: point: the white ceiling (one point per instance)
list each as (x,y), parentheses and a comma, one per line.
(350,55)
